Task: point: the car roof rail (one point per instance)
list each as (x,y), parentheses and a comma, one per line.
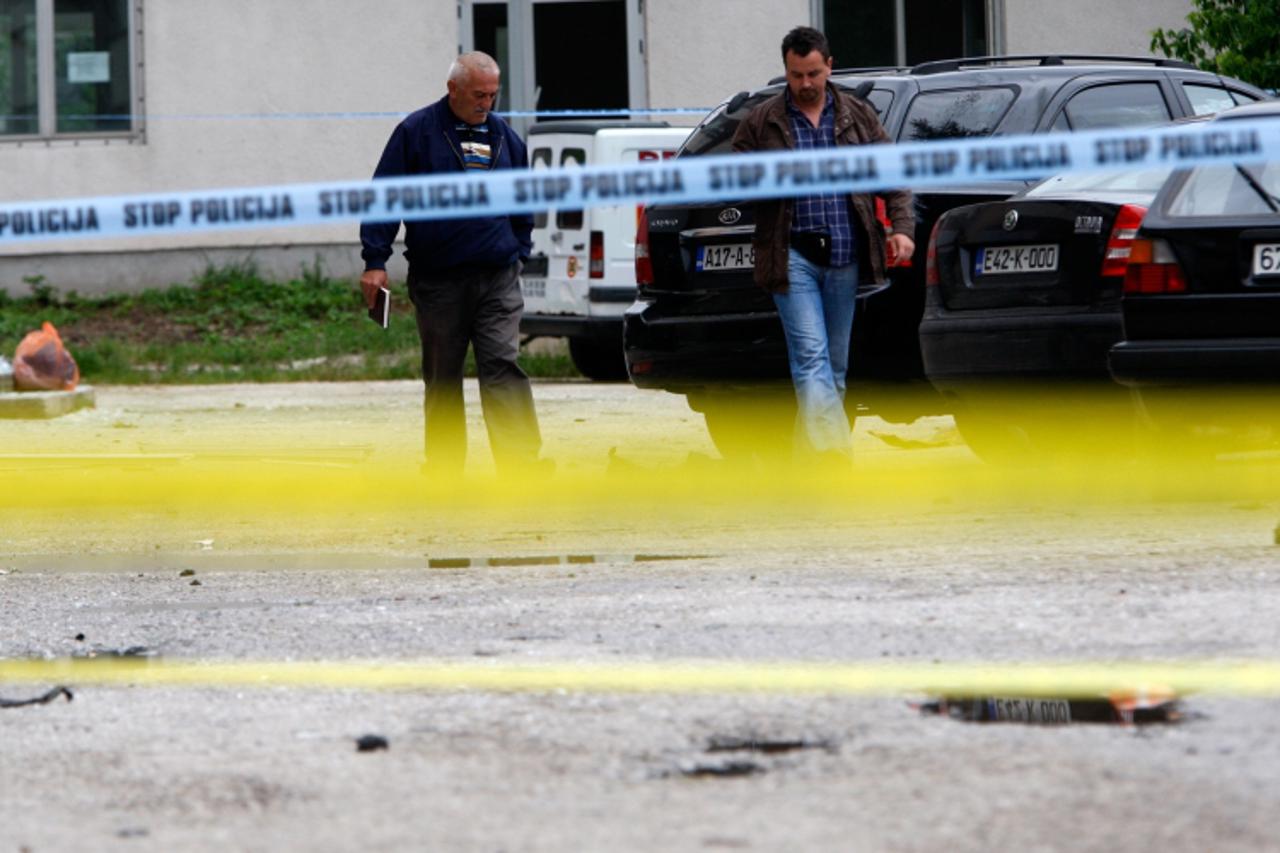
(944,65)
(868,69)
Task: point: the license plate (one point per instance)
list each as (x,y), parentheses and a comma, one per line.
(1003,260)
(731,256)
(533,288)
(1048,712)
(1266,259)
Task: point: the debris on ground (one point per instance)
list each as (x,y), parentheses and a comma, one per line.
(43,699)
(42,363)
(370,743)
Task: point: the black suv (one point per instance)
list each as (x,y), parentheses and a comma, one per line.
(700,326)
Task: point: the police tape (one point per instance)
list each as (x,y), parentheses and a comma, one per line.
(331,115)
(1066,680)
(733,177)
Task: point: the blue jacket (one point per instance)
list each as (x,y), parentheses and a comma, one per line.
(425,143)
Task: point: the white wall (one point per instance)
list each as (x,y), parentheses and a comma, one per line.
(1089,26)
(702,51)
(248,56)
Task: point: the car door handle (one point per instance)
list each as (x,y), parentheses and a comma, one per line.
(578,247)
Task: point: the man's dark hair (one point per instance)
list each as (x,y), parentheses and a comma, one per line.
(804,40)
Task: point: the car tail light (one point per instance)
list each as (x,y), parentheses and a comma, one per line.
(597,254)
(1153,268)
(931,258)
(644,266)
(1116,259)
(882,213)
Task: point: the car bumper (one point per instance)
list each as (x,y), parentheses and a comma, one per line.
(1176,362)
(570,326)
(1068,345)
(690,351)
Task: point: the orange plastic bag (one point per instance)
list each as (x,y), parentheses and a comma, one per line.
(42,363)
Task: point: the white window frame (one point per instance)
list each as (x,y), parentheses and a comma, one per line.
(995,26)
(47,86)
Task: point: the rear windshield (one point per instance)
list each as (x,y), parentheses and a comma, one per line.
(1145,181)
(1237,190)
(956,113)
(715,134)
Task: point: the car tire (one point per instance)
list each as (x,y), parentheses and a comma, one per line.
(1200,425)
(1046,424)
(993,439)
(601,360)
(750,427)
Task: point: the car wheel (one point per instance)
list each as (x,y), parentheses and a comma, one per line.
(598,359)
(1201,425)
(1049,424)
(993,439)
(750,427)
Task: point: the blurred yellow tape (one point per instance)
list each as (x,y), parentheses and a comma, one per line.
(1252,678)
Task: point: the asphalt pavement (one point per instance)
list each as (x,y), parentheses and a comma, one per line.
(641,550)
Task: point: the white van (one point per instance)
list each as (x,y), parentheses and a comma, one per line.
(581,276)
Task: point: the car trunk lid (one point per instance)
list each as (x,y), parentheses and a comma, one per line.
(1024,253)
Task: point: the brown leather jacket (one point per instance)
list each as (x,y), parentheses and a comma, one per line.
(766,128)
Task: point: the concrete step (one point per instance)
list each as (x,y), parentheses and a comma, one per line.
(45,404)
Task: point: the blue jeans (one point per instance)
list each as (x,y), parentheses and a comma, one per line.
(817,317)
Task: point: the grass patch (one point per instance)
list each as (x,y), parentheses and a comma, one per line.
(232,325)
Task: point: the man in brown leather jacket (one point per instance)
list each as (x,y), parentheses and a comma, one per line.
(810,250)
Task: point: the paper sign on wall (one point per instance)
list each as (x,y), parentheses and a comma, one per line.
(89,67)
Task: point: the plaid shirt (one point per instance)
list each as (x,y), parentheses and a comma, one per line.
(827,213)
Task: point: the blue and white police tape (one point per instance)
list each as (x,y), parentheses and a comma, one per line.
(733,177)
(362,114)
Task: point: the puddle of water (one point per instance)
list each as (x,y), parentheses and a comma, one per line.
(767,746)
(555,560)
(1126,709)
(721,770)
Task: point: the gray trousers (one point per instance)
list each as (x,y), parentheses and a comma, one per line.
(479,307)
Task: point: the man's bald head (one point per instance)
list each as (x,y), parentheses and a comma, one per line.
(469,63)
(473,86)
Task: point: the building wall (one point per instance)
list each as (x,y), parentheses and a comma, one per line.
(238,57)
(700,53)
(1089,26)
(333,56)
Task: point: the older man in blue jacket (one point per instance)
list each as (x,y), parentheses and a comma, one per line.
(463,273)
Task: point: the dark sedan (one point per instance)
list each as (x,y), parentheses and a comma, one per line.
(1201,301)
(1022,304)
(1202,292)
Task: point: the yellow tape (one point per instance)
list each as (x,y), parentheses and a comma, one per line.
(1066,680)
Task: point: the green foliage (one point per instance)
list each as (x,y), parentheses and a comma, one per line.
(1238,38)
(44,293)
(231,325)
